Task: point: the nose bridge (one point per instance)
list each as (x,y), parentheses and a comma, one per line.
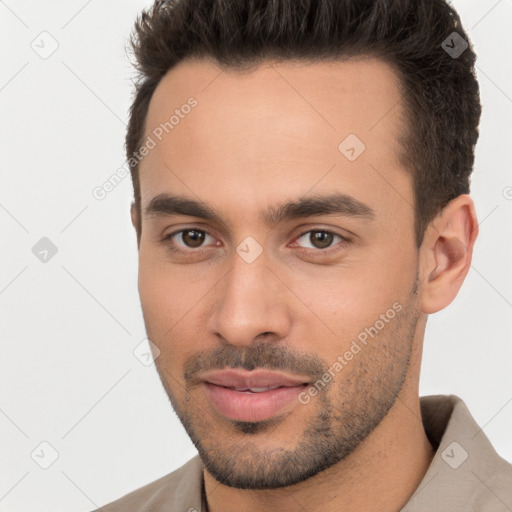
(249,303)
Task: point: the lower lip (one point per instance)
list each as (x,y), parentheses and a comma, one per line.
(243,406)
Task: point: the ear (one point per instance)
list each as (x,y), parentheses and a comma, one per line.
(134,213)
(446,251)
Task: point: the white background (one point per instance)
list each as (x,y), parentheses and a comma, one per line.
(69,326)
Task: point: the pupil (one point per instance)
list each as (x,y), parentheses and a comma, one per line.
(196,238)
(321,239)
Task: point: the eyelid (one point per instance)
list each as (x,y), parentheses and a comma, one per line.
(183,248)
(168,237)
(323,229)
(344,239)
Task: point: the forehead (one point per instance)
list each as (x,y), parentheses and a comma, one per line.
(276,129)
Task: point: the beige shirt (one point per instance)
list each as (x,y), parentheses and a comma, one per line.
(466,473)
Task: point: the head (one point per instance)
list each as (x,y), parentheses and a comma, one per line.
(301,205)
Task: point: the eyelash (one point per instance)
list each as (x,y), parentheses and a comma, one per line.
(167,241)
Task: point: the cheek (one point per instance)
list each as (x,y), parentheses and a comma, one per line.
(162,298)
(165,303)
(164,289)
(171,297)
(347,299)
(156,294)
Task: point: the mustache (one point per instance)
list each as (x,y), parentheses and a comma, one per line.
(263,355)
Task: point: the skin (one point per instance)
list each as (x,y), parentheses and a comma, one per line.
(257,139)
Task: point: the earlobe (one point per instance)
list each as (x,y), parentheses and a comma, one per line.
(447,250)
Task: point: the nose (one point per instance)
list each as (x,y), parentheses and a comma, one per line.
(250,303)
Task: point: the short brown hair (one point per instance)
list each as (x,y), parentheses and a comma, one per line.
(440,90)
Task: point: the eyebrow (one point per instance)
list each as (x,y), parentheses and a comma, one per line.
(165,205)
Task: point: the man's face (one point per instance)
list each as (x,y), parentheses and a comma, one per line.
(252,303)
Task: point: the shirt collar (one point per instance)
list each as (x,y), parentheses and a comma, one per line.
(466,473)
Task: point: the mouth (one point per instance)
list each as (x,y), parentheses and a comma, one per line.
(254,390)
(252,396)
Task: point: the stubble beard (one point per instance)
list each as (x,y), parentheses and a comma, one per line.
(341,416)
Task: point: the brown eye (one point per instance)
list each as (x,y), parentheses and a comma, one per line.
(193,237)
(189,239)
(319,239)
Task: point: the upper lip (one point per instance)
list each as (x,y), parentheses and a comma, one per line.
(233,378)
